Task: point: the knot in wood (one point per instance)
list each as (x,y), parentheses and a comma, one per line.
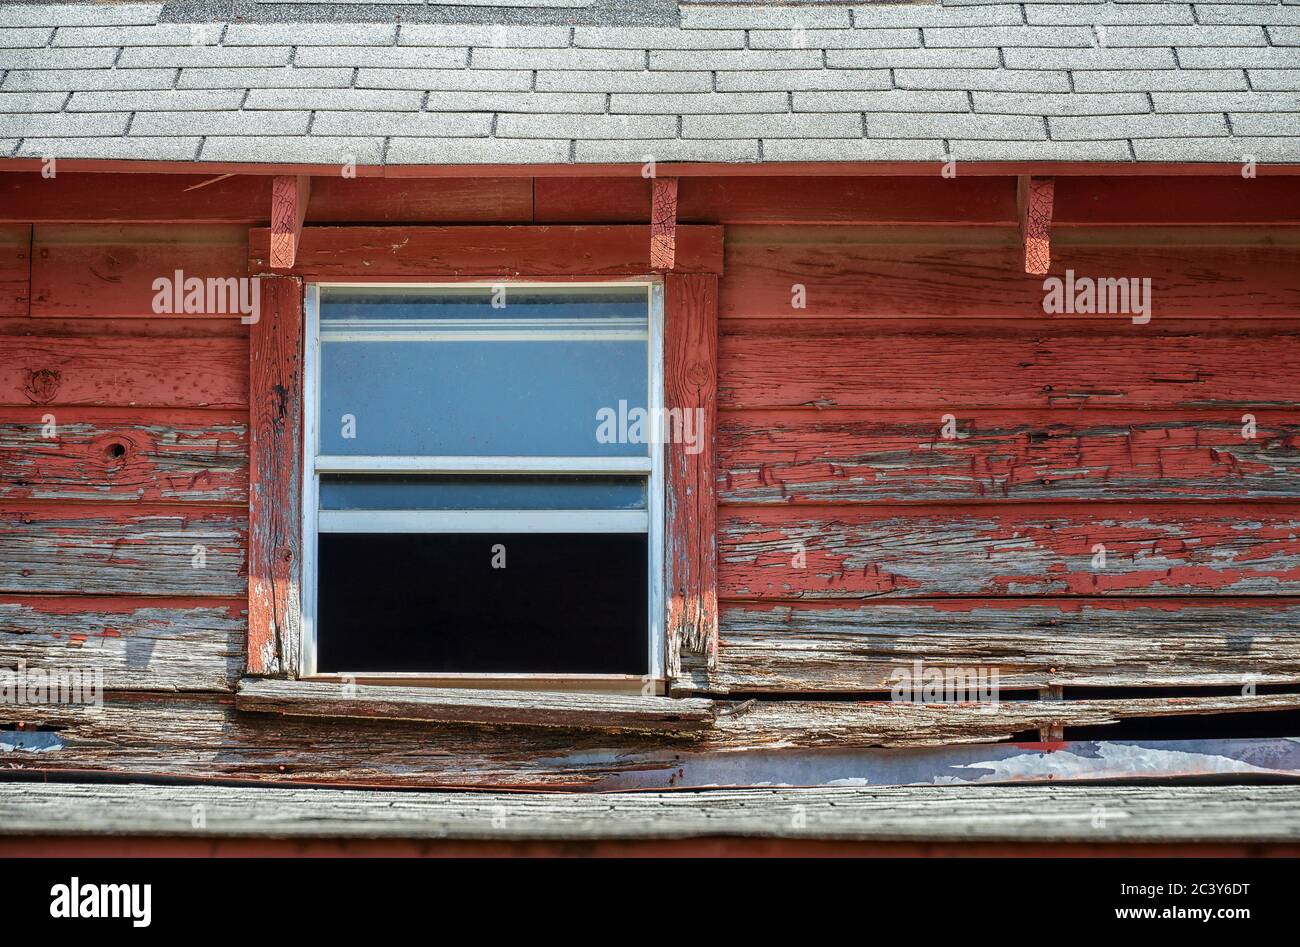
(43,384)
(699,373)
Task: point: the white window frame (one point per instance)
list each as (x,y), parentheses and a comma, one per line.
(460,521)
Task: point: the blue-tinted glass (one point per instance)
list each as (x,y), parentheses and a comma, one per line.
(441,372)
(442,492)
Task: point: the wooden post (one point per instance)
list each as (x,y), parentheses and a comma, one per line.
(1034,197)
(663,225)
(275,468)
(1054,732)
(289,196)
(691,382)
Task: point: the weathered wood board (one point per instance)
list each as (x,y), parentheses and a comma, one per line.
(15,269)
(858,648)
(807,456)
(204,737)
(119,371)
(68,548)
(110,270)
(966,273)
(173,644)
(147,456)
(1005,366)
(1075,549)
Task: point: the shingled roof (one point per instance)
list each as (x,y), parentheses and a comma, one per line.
(580,81)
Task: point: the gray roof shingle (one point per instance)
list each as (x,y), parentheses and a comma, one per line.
(978,79)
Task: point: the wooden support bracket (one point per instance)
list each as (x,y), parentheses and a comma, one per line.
(289,196)
(1034,197)
(663,225)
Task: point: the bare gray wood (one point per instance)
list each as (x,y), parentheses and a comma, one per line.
(1085,814)
(819,648)
(78,550)
(450,705)
(204,737)
(136,643)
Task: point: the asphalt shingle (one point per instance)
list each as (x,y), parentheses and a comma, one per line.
(1039,81)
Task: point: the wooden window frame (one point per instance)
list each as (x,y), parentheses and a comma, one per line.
(651,521)
(534,254)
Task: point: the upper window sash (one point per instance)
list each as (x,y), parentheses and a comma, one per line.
(527,377)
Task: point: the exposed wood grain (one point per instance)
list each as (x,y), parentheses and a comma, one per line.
(963,366)
(449,705)
(290,195)
(199,737)
(837,647)
(137,643)
(690,385)
(804,456)
(768,200)
(15,268)
(1076,549)
(122,370)
(275,490)
(1034,197)
(663,225)
(108,270)
(73,548)
(98,454)
(423,253)
(935,272)
(779,724)
(1131,814)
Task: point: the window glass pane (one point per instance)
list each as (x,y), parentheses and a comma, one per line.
(490,604)
(555,372)
(415,492)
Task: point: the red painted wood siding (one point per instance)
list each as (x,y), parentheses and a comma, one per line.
(853,533)
(1070,431)
(123,536)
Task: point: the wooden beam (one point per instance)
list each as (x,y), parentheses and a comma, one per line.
(204,736)
(663,225)
(690,384)
(537,252)
(275,452)
(1034,197)
(1254,814)
(679,169)
(289,197)
(472,706)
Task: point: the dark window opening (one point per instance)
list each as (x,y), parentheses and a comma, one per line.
(571,603)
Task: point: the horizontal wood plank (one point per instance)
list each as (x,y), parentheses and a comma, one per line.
(844,457)
(150,456)
(199,737)
(137,643)
(423,253)
(1256,815)
(71,197)
(961,367)
(92,550)
(1138,201)
(841,647)
(775,724)
(1077,549)
(117,370)
(15,269)
(474,706)
(109,270)
(769,200)
(895,272)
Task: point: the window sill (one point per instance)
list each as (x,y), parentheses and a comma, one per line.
(466,706)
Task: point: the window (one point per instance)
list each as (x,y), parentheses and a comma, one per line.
(483,482)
